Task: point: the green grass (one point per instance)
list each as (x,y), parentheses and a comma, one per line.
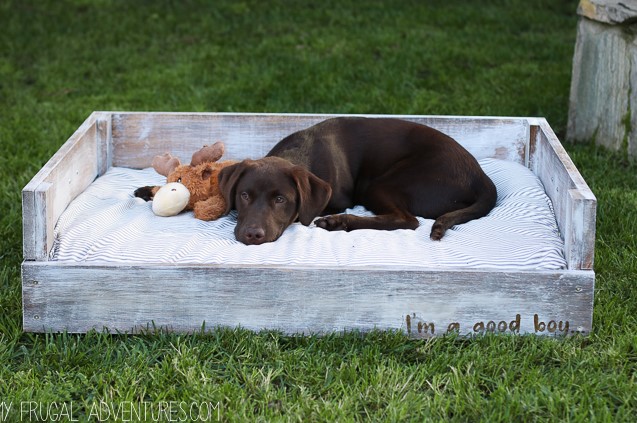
(60,60)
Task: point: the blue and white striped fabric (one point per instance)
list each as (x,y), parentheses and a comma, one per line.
(107,224)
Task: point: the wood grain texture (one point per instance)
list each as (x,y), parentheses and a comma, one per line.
(138,137)
(78,298)
(631,120)
(600,103)
(62,178)
(573,202)
(104,142)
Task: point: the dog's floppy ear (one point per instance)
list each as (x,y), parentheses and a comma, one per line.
(228,178)
(314,194)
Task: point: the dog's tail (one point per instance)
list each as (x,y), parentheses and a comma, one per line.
(481,207)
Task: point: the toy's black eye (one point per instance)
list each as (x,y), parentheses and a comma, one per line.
(179,180)
(245,196)
(279,199)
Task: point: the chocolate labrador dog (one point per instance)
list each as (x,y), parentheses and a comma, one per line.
(395,168)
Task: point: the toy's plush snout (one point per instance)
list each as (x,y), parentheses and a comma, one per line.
(170,199)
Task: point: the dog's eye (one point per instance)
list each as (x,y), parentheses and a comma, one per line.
(279,199)
(245,196)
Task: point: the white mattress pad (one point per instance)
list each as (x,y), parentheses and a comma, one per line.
(106,223)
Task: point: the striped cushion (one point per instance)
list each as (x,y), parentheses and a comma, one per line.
(107,224)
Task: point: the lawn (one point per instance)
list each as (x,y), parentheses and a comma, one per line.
(60,60)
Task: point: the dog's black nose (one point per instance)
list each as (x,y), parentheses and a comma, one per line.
(254,236)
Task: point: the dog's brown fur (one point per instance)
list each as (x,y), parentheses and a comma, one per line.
(395,168)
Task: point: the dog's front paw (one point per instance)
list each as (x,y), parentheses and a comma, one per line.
(333,223)
(145,193)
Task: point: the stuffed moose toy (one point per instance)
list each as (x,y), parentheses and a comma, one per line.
(192,186)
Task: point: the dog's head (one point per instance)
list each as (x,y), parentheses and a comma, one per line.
(269,194)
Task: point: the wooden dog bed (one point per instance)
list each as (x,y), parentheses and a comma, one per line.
(129,295)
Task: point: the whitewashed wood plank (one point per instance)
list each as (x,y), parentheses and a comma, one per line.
(573,201)
(138,137)
(71,169)
(78,298)
(43,220)
(28,225)
(579,230)
(104,141)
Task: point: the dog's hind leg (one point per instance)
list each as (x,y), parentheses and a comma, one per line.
(475,211)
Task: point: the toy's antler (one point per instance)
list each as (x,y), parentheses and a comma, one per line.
(165,163)
(209,153)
